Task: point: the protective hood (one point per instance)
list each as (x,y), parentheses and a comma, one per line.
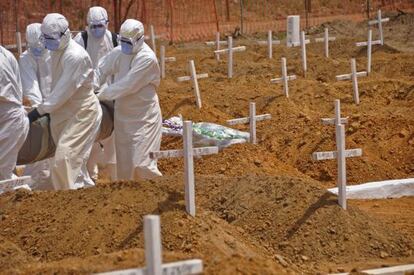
(97,15)
(55,25)
(133,30)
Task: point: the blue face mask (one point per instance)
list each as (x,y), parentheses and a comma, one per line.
(37,51)
(126,47)
(52,44)
(98,32)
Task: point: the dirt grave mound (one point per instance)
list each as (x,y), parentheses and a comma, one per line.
(254,221)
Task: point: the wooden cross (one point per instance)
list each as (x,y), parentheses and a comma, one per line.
(153,255)
(252,119)
(164,59)
(369,44)
(340,154)
(189,152)
(285,78)
(354,76)
(230,50)
(379,21)
(326,40)
(303,42)
(216,43)
(16,183)
(270,42)
(194,78)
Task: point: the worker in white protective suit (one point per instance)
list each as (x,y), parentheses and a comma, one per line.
(14,124)
(36,80)
(137,111)
(74,109)
(98,41)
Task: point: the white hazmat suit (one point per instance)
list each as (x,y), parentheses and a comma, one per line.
(137,111)
(14,124)
(99,42)
(36,80)
(74,110)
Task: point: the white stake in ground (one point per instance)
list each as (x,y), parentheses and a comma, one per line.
(230,50)
(152,37)
(163,60)
(369,44)
(285,78)
(194,78)
(379,21)
(354,76)
(13,184)
(153,255)
(189,152)
(252,119)
(303,42)
(216,43)
(326,40)
(340,154)
(270,42)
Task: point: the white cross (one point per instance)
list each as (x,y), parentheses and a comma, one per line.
(152,37)
(334,121)
(252,119)
(230,50)
(216,43)
(194,78)
(326,39)
(369,44)
(379,21)
(270,42)
(189,152)
(354,76)
(16,183)
(153,255)
(285,78)
(164,59)
(340,154)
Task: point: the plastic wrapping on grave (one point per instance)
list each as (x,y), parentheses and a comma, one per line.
(205,133)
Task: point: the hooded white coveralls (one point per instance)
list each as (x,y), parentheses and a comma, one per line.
(97,48)
(14,124)
(137,111)
(36,80)
(74,109)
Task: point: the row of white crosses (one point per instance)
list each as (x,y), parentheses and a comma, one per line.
(188,152)
(229,51)
(285,78)
(252,119)
(270,42)
(354,77)
(153,255)
(194,79)
(340,154)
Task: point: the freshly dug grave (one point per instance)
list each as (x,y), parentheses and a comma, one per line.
(256,222)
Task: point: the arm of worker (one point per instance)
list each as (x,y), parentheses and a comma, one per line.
(107,66)
(30,83)
(76,70)
(144,72)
